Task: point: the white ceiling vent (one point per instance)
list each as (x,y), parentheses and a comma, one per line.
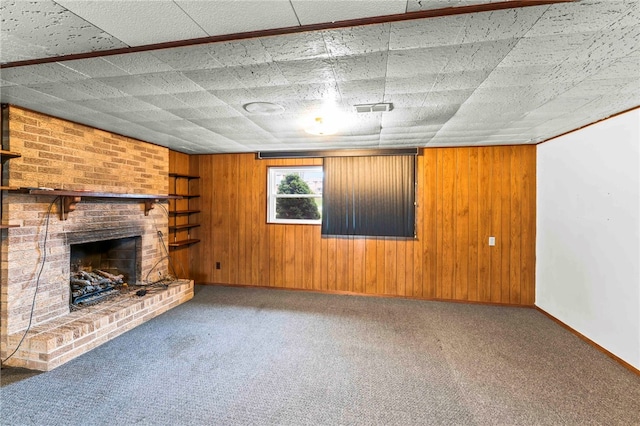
(381,107)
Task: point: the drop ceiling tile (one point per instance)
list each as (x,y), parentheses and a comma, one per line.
(545,50)
(96,89)
(61,91)
(461,80)
(240,52)
(22,75)
(199,99)
(41,29)
(188,58)
(129,103)
(373,90)
(94,67)
(606,45)
(307,70)
(162,101)
(406,100)
(416,62)
(313,12)
(357,40)
(317,91)
(276,94)
(229,17)
(447,97)
(501,24)
(426,33)
(259,75)
(478,56)
(584,16)
(293,47)
(235,97)
(138,63)
(361,67)
(217,79)
(137,23)
(57,71)
(27,96)
(171,82)
(417,83)
(131,85)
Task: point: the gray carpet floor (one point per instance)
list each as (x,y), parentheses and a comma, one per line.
(243,356)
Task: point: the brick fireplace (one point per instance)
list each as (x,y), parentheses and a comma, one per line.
(37,254)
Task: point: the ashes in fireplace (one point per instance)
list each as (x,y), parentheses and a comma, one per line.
(101,268)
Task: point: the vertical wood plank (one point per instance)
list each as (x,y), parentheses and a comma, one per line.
(485,228)
(496,225)
(473,226)
(515,226)
(461,266)
(359,265)
(448,223)
(528,224)
(506,223)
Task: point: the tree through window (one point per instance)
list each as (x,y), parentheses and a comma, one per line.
(295,194)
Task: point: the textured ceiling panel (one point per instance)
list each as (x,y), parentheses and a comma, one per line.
(37,29)
(314,12)
(504,77)
(138,22)
(228,17)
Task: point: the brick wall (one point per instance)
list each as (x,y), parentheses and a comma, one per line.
(60,154)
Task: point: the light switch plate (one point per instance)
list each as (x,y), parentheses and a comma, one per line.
(492,241)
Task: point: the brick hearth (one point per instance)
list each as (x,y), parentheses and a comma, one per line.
(55,342)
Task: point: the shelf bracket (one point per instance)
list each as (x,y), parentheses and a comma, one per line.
(148,206)
(67,205)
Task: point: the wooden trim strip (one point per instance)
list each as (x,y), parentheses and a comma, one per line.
(589,341)
(421,14)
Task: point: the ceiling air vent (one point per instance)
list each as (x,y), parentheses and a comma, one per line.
(381,107)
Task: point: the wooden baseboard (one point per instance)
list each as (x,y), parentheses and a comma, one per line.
(352,293)
(589,341)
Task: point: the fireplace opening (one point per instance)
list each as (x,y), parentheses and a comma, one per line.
(101,268)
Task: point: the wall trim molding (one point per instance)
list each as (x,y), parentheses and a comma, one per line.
(589,341)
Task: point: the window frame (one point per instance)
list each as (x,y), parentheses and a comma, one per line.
(272,195)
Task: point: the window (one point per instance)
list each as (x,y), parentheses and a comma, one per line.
(295,195)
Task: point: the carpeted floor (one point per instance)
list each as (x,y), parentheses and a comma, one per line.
(242,356)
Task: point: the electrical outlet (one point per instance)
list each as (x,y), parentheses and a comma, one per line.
(492,241)
(217,265)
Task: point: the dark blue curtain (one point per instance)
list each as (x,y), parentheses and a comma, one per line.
(370,196)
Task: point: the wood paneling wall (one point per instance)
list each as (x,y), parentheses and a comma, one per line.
(465,195)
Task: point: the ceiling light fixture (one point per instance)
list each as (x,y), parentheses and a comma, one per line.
(321,126)
(263,108)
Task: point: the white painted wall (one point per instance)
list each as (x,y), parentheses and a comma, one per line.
(588,233)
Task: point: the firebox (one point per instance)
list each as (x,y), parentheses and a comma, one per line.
(100,268)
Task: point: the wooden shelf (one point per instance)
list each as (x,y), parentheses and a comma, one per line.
(9,188)
(179,212)
(179,175)
(69,199)
(185,226)
(185,195)
(182,243)
(9,226)
(6,155)
(179,186)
